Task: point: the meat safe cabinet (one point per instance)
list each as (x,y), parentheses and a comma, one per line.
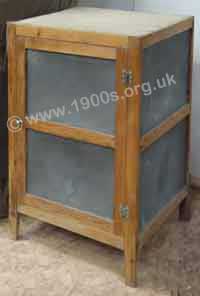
(99,107)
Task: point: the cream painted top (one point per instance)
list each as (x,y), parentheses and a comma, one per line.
(117,22)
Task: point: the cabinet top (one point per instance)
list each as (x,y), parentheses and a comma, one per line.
(97,20)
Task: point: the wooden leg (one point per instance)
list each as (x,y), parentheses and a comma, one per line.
(185,209)
(130,252)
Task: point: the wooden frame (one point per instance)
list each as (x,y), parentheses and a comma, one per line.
(70,132)
(122,233)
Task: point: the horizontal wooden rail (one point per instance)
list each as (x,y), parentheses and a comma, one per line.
(168,32)
(71,48)
(70,219)
(155,134)
(74,133)
(92,38)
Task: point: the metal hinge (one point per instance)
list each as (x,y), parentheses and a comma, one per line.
(124,212)
(127,77)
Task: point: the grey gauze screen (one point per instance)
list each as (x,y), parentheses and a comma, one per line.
(75,174)
(79,91)
(169,57)
(163,172)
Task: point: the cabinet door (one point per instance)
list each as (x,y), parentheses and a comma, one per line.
(72,159)
(77,92)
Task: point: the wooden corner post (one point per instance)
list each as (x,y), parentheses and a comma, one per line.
(121,129)
(131,224)
(185,206)
(16,106)
(12,66)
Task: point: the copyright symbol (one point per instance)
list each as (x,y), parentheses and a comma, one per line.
(14,124)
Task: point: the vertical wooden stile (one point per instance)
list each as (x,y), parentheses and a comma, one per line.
(21,112)
(131,224)
(12,66)
(185,206)
(16,52)
(120,151)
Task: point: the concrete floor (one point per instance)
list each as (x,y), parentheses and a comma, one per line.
(48,261)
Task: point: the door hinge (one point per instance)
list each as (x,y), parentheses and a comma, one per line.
(124,212)
(127,77)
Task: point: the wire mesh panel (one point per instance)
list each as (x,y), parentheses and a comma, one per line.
(165,87)
(75,174)
(163,172)
(79,91)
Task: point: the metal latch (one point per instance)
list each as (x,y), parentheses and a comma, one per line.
(124,212)
(127,77)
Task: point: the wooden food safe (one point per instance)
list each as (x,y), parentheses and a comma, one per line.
(100,101)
